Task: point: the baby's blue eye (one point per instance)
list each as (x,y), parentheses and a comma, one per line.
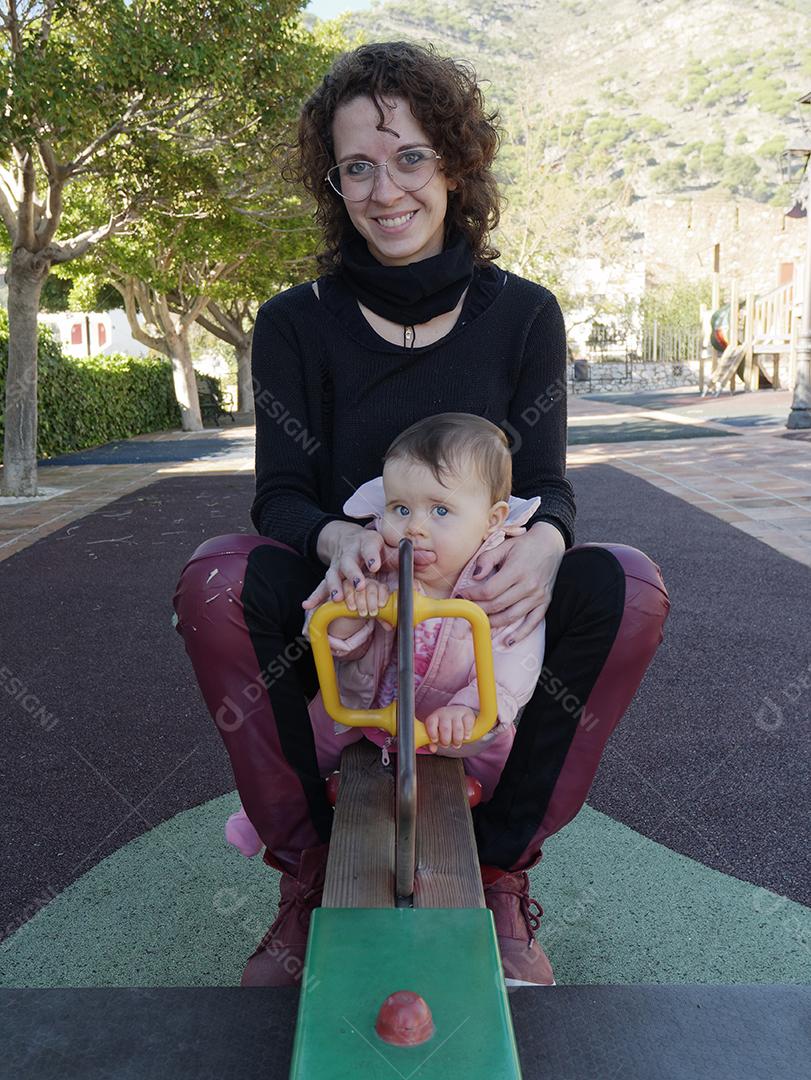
(401,507)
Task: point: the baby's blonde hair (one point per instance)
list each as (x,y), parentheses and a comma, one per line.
(457,442)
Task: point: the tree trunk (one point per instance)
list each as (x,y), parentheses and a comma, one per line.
(25,277)
(244,381)
(184,380)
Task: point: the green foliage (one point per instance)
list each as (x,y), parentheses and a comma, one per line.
(54,296)
(784,196)
(736,58)
(62,293)
(696,85)
(651,126)
(784,54)
(766,92)
(175,78)
(738,173)
(669,176)
(675,305)
(772,147)
(737,78)
(90,401)
(232,231)
(712,157)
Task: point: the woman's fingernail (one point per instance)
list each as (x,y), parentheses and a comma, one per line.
(370,563)
(511,641)
(356,581)
(334,593)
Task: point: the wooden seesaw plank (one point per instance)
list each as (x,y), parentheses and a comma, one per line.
(447,874)
(360,870)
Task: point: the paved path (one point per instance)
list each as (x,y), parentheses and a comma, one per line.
(752,473)
(759,481)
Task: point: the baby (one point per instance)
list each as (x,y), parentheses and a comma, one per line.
(445,486)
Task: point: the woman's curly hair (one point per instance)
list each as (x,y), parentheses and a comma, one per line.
(446,101)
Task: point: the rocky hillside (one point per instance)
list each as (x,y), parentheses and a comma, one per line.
(672,95)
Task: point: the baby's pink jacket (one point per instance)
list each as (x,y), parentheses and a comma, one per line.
(450,679)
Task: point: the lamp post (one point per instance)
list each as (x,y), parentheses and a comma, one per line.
(800,153)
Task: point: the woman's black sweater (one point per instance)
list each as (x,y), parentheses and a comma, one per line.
(331,395)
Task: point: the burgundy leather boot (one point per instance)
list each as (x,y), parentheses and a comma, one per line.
(507,895)
(278,959)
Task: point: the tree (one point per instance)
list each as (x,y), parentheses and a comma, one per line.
(213,268)
(211,257)
(123,100)
(284,258)
(559,205)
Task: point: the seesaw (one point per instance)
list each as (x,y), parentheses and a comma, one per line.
(402,968)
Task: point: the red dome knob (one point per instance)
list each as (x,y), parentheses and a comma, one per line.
(404,1019)
(474,790)
(331,783)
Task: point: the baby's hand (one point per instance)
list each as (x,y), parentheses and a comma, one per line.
(450,725)
(368,600)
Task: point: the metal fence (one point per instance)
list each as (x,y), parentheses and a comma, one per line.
(670,345)
(611,356)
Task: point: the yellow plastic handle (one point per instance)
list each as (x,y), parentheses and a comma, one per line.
(425,607)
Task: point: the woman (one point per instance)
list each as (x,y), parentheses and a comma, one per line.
(410,317)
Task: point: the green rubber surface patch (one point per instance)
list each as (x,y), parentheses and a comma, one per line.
(357,957)
(179,907)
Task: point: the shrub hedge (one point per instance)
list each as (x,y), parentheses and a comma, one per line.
(90,401)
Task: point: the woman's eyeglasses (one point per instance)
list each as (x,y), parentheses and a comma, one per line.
(409,169)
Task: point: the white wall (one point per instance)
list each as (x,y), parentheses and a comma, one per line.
(109,332)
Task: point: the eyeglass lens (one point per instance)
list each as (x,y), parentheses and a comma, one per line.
(409,169)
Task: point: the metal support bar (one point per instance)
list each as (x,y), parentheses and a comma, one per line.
(406,793)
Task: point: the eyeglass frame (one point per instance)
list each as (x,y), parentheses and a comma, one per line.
(380,165)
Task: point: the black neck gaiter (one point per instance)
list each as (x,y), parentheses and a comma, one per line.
(411,294)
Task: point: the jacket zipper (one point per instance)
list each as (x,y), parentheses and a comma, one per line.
(384,755)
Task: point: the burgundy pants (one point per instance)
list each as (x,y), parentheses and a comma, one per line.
(239,611)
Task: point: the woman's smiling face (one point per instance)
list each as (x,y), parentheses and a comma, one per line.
(391,242)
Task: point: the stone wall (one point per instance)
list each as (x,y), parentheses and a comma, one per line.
(680,232)
(613,377)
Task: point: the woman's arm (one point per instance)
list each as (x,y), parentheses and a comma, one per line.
(537,422)
(286,506)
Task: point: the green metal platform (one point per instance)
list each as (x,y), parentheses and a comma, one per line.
(356,957)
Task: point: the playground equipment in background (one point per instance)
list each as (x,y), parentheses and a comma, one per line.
(402,958)
(768,328)
(732,359)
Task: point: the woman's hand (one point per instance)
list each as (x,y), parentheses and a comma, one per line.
(522,587)
(355,554)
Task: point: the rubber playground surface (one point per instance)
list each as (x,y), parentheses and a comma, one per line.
(687,865)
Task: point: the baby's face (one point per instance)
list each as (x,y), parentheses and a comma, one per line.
(451,519)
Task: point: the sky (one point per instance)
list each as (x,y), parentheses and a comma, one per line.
(328,9)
